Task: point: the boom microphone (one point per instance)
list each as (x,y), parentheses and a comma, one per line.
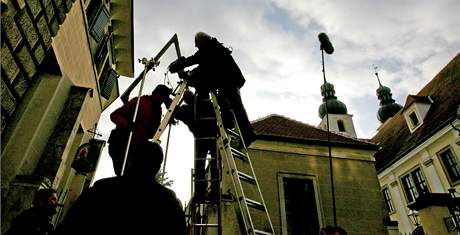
(326,45)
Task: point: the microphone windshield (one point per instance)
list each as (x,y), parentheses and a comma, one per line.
(326,45)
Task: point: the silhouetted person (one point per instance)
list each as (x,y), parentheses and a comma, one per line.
(217,70)
(330,230)
(147,122)
(37,219)
(197,113)
(130,204)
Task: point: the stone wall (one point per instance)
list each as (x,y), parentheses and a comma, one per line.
(359,202)
(27,31)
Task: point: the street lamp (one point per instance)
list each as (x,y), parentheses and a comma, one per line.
(413,214)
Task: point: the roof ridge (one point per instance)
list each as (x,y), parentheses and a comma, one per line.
(306,124)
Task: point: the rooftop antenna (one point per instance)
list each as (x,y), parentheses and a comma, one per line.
(376,73)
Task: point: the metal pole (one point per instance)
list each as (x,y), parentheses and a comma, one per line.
(148,65)
(166,154)
(329,144)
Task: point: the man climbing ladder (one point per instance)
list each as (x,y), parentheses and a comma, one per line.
(217,70)
(219,77)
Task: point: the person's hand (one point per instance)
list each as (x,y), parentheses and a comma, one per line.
(176,65)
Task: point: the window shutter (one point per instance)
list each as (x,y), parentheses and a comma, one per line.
(108,83)
(98,26)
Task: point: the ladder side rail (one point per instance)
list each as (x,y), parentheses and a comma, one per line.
(239,193)
(164,123)
(225,150)
(256,181)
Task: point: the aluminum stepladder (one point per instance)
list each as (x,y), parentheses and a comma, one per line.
(252,212)
(240,180)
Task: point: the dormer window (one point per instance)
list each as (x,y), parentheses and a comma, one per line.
(415,111)
(414,119)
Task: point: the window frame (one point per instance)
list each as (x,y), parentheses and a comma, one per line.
(415,188)
(445,168)
(388,200)
(414,120)
(314,179)
(410,123)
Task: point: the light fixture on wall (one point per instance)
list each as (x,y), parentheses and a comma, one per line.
(413,214)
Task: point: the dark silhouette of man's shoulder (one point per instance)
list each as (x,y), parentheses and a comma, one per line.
(147,191)
(125,205)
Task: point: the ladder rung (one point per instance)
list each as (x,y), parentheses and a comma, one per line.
(239,154)
(206,118)
(255,204)
(204,180)
(205,100)
(232,132)
(201,180)
(205,225)
(246,177)
(205,158)
(256,231)
(205,138)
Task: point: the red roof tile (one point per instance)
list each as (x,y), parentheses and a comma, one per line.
(277,127)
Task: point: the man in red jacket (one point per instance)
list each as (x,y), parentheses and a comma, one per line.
(147,122)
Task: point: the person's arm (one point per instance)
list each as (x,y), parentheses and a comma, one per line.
(123,115)
(192,60)
(184,62)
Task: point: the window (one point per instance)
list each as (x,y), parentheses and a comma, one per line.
(341,125)
(109,80)
(91,9)
(99,23)
(388,202)
(414,119)
(299,202)
(414,185)
(451,166)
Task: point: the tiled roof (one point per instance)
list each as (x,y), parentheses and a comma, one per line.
(277,127)
(395,138)
(416,99)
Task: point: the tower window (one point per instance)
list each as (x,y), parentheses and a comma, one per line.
(341,126)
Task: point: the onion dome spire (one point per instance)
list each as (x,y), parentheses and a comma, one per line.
(388,106)
(334,106)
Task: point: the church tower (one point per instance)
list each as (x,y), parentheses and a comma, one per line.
(388,106)
(339,120)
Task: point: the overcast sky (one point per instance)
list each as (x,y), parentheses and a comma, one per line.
(275,44)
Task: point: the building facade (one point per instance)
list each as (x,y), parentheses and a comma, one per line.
(291,161)
(60,65)
(418,164)
(292,164)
